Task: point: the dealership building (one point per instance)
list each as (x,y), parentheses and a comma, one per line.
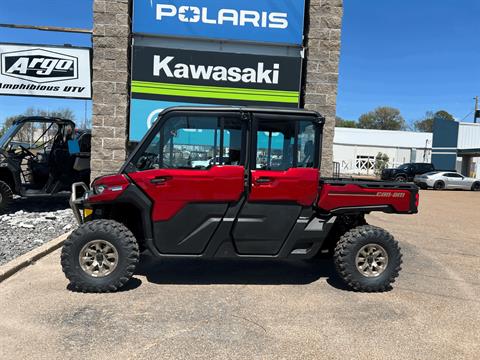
(354,150)
(152,54)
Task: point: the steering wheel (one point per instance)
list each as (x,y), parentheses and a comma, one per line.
(26,151)
(147,161)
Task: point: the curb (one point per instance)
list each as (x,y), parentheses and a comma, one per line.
(14,266)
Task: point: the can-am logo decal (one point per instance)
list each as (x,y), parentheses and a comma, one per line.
(39,66)
(235,74)
(195,14)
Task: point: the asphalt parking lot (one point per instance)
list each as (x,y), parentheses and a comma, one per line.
(265,310)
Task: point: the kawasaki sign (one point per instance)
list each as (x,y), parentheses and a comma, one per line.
(215,77)
(45,71)
(264,21)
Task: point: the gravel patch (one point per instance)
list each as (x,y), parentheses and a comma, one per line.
(31,223)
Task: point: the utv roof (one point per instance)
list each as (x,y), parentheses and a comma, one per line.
(266,110)
(42,119)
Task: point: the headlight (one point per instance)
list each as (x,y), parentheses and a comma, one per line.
(99,189)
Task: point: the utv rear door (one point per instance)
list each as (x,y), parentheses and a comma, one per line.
(284,180)
(191,168)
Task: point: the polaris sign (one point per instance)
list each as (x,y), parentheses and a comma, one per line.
(279,21)
(45,71)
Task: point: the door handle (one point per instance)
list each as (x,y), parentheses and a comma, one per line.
(160,180)
(264,180)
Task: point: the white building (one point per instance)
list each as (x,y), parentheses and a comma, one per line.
(355,149)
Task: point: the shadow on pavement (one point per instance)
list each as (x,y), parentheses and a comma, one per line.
(46,204)
(132,284)
(248,272)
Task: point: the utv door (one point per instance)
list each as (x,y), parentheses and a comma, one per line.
(190,200)
(284,180)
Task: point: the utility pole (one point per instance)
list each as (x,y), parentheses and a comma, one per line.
(476,113)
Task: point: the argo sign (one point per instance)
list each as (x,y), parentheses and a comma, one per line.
(39,65)
(279,21)
(45,71)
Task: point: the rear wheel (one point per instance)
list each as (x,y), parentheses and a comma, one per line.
(476,186)
(6,196)
(368,259)
(439,185)
(100,256)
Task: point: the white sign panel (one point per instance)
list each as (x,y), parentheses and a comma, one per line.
(45,71)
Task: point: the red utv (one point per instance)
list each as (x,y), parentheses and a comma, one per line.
(259,195)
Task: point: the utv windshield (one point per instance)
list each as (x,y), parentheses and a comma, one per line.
(29,135)
(9,134)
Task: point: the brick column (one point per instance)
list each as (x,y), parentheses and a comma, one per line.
(111,77)
(111,81)
(324,22)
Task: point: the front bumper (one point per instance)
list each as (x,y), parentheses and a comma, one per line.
(77,203)
(425,183)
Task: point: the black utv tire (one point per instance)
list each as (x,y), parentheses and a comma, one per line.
(350,246)
(100,232)
(6,196)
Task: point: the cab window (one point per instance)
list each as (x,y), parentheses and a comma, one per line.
(194,142)
(284,144)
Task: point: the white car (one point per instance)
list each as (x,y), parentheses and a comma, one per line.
(440,180)
(203,164)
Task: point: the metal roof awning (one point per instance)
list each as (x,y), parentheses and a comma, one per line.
(469,152)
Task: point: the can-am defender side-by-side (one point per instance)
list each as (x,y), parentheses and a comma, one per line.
(232,183)
(42,156)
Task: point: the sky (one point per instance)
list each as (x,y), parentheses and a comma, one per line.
(414,55)
(67,13)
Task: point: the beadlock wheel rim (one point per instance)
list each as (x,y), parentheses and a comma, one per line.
(98,258)
(371,260)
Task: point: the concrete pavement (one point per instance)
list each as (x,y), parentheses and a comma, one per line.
(184,309)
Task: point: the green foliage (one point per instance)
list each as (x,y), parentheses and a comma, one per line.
(7,123)
(381,163)
(382,118)
(442,114)
(426,124)
(339,122)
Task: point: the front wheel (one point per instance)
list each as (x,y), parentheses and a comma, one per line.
(400,178)
(476,186)
(368,259)
(439,185)
(6,196)
(100,256)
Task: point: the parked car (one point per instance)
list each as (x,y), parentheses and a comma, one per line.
(233,211)
(407,172)
(440,180)
(54,157)
(203,164)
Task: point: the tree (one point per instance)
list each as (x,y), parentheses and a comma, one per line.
(339,122)
(27,131)
(382,118)
(8,122)
(381,163)
(426,124)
